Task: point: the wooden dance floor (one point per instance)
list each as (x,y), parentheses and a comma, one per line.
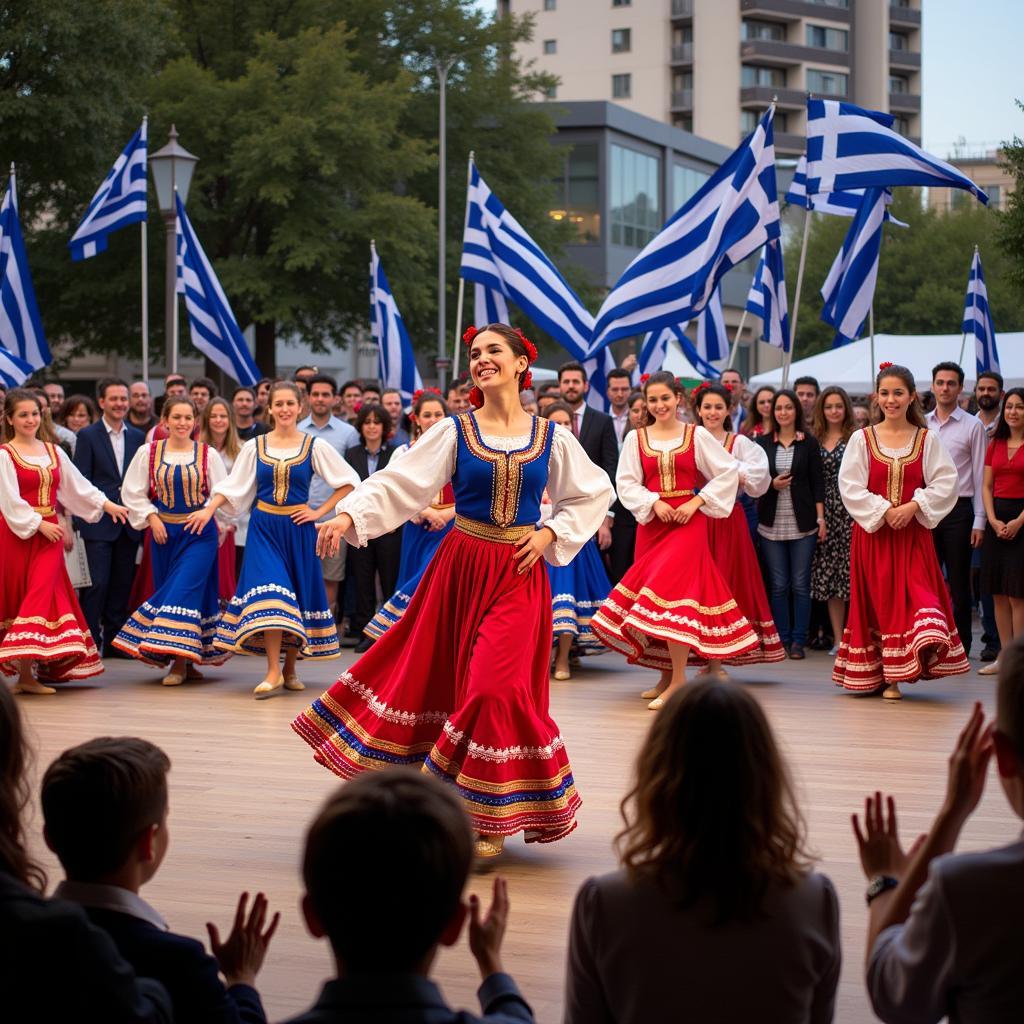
(243,788)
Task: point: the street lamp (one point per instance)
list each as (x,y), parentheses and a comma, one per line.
(172,169)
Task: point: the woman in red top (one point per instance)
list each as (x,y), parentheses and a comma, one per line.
(1002,551)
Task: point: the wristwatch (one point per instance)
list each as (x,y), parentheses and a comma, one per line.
(878,885)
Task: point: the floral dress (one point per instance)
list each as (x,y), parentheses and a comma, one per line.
(830,571)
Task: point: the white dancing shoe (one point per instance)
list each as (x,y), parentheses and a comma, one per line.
(293,682)
(268,689)
(488,847)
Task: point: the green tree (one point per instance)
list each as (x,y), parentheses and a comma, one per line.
(1010,233)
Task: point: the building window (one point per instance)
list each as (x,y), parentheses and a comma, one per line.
(622,87)
(828,38)
(551,92)
(751,29)
(577,195)
(550,46)
(995,195)
(686,182)
(683,122)
(621,40)
(549,5)
(635,210)
(899,84)
(901,125)
(899,41)
(749,119)
(755,74)
(832,3)
(622,3)
(826,83)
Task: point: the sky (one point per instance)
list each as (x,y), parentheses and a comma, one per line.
(971,72)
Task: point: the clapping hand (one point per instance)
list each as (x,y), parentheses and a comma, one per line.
(968,767)
(487,932)
(241,954)
(879,842)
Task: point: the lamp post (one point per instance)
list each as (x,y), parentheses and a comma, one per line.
(172,169)
(442,66)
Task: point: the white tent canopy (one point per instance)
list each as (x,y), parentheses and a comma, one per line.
(851,366)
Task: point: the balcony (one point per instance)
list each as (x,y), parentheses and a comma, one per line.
(682,8)
(904,16)
(759,96)
(682,53)
(904,59)
(789,143)
(794,10)
(773,51)
(904,101)
(682,100)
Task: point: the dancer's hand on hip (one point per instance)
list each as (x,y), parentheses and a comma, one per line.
(197,520)
(532,547)
(303,515)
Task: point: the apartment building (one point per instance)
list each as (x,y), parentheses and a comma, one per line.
(987,170)
(711,67)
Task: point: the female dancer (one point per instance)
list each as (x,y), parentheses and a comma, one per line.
(673,599)
(1002,550)
(217,429)
(40,620)
(897,482)
(577,589)
(280,600)
(759,413)
(165,482)
(422,535)
(830,570)
(729,538)
(460,684)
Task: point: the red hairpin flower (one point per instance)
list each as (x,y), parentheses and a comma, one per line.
(531,349)
(527,380)
(476,397)
(470,334)
(644,378)
(884,366)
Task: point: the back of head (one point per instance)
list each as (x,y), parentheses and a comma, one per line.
(411,832)
(14,796)
(712,813)
(98,798)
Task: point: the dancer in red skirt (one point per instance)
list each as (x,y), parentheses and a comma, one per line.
(897,482)
(674,599)
(459,685)
(40,620)
(729,538)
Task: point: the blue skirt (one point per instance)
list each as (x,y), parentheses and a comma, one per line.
(418,547)
(281,587)
(577,591)
(179,620)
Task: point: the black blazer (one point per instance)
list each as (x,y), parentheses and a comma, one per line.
(94,458)
(597,437)
(183,966)
(56,966)
(356,458)
(807,488)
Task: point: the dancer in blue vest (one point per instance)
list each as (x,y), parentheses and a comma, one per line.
(280,602)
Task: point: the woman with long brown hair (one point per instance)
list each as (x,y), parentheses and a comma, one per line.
(217,429)
(715,913)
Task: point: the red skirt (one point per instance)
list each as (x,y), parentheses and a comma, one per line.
(40,618)
(674,592)
(459,687)
(899,605)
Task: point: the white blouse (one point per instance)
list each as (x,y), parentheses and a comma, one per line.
(135,489)
(935,499)
(580,491)
(75,494)
(717,466)
(755,479)
(239,487)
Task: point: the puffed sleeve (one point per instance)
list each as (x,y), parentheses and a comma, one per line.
(866,508)
(76,494)
(16,511)
(580,494)
(393,495)
(753,466)
(216,473)
(629,480)
(331,467)
(942,485)
(721,471)
(135,489)
(239,486)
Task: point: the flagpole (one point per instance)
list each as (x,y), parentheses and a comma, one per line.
(871,331)
(462,280)
(787,358)
(736,340)
(172,253)
(145,303)
(974,301)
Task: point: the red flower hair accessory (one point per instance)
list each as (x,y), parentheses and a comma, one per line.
(470,333)
(417,395)
(644,378)
(702,386)
(884,366)
(527,380)
(531,349)
(476,397)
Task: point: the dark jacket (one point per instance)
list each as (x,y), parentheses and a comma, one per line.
(55,966)
(183,966)
(807,488)
(94,458)
(598,440)
(356,458)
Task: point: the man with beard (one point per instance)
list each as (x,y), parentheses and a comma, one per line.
(988,393)
(140,407)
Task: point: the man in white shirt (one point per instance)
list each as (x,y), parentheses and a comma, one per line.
(963,437)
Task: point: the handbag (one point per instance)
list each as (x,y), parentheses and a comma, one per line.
(77,564)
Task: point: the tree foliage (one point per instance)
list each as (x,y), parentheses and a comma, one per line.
(1010,232)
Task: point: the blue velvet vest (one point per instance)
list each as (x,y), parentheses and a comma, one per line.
(283,482)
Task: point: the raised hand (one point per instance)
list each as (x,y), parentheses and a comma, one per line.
(879,842)
(968,767)
(487,932)
(241,954)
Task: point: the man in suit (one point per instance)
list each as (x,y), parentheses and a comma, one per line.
(105,816)
(103,453)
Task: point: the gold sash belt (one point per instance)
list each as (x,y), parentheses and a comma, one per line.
(675,494)
(278,510)
(488,531)
(44,510)
(174,517)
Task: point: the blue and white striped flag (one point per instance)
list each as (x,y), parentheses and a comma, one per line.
(213,326)
(849,147)
(489,306)
(120,200)
(395,358)
(732,215)
(849,289)
(597,376)
(21,329)
(13,370)
(767,297)
(653,351)
(499,254)
(978,318)
(712,341)
(840,204)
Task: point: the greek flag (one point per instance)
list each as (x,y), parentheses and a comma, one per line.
(489,306)
(13,371)
(732,215)
(840,204)
(712,341)
(21,329)
(850,286)
(214,328)
(767,297)
(499,254)
(120,200)
(395,359)
(978,318)
(849,147)
(655,349)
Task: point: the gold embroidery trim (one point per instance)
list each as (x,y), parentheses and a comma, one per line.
(45,496)
(487,531)
(173,517)
(727,444)
(192,479)
(44,510)
(895,465)
(667,460)
(278,510)
(282,467)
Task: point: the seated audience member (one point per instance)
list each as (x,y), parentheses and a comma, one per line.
(55,966)
(105,817)
(715,914)
(944,932)
(410,827)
